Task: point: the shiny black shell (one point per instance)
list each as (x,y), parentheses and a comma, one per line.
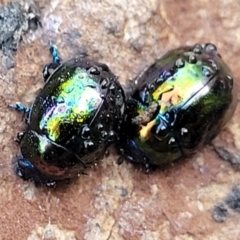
(177,105)
(73,118)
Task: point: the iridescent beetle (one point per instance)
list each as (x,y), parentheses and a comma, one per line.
(177,105)
(71,121)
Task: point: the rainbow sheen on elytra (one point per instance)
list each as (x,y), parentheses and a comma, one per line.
(73,119)
(75,100)
(178,104)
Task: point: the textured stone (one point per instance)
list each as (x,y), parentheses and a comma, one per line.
(112,201)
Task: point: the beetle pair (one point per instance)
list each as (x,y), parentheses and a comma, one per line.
(172,109)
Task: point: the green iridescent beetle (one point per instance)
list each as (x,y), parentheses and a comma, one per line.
(177,105)
(71,122)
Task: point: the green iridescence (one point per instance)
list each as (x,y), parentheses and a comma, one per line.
(43,144)
(174,94)
(76,100)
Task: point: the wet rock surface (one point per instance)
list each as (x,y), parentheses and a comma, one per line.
(193,199)
(16,19)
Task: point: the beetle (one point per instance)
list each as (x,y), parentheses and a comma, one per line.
(71,122)
(177,105)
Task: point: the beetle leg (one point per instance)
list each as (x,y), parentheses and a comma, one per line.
(54,52)
(27,171)
(19,137)
(48,69)
(139,158)
(21,108)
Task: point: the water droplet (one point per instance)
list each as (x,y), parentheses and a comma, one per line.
(209,47)
(223,85)
(88,143)
(192,58)
(213,64)
(144,95)
(112,87)
(104,83)
(197,49)
(94,71)
(171,140)
(104,134)
(161,127)
(207,72)
(99,126)
(165,75)
(159,80)
(180,63)
(183,131)
(111,136)
(86,132)
(111,99)
(103,96)
(229,77)
(229,81)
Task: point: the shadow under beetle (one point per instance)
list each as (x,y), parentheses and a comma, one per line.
(177,105)
(71,122)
